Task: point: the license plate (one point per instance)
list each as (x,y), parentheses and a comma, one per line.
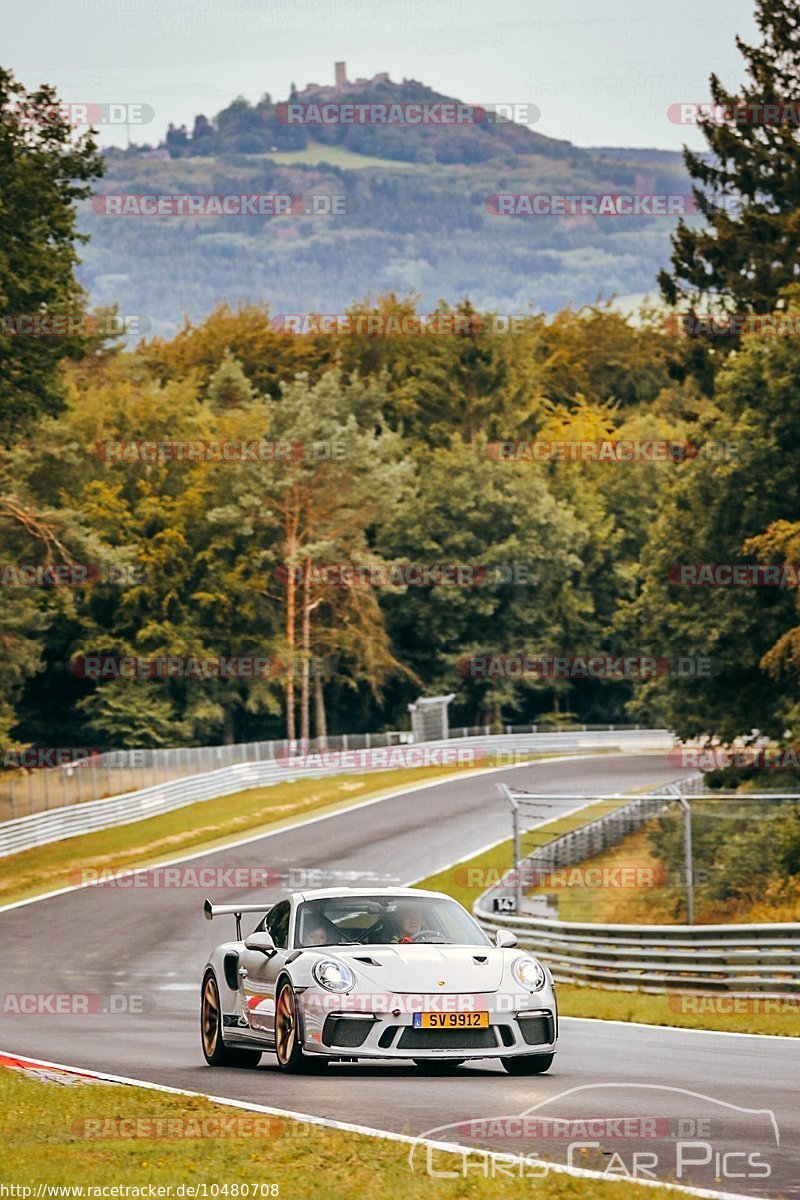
(451,1020)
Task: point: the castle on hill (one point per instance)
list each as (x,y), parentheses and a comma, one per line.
(342,84)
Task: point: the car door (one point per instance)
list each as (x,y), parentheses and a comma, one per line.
(258,972)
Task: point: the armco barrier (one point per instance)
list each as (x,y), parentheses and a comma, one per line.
(745,960)
(95,775)
(23,833)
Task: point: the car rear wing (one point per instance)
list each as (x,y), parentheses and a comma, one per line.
(236,910)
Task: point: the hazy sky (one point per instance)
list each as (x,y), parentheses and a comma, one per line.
(602,72)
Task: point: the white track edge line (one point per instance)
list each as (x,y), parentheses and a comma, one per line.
(366,1131)
(779,1037)
(257,837)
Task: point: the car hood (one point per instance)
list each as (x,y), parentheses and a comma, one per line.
(427,968)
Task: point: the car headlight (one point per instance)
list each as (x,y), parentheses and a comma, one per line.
(333,976)
(529,973)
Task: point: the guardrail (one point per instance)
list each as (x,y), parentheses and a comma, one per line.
(755,959)
(96,774)
(24,833)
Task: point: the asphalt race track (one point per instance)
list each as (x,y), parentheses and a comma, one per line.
(725,1109)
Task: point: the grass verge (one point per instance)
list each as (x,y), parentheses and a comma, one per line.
(45,1143)
(208,824)
(647,895)
(466,880)
(319,154)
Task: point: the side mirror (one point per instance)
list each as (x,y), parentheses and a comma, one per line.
(504,937)
(260,941)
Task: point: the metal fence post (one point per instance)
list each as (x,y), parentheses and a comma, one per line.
(505,791)
(517,855)
(689,867)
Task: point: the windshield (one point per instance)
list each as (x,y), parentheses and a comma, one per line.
(385,921)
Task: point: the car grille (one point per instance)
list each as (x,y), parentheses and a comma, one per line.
(346,1031)
(446,1039)
(537,1028)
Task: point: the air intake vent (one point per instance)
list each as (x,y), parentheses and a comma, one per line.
(345,1031)
(537,1028)
(446,1039)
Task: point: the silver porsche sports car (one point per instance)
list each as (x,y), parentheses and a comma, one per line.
(350,973)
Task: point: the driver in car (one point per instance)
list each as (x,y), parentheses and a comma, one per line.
(407,923)
(314,930)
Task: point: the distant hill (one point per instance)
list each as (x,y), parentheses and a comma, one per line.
(416,215)
(262,128)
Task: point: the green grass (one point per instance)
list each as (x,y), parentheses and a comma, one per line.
(650,898)
(206,825)
(652,1009)
(337,156)
(683,1011)
(45,1142)
(467,880)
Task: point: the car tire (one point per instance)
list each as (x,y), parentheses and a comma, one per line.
(528,1064)
(215,1052)
(288,1047)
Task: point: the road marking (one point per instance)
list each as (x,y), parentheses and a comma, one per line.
(781,1037)
(366,1131)
(125,872)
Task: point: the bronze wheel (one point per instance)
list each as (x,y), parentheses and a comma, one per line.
(287,1034)
(210,1019)
(215,1052)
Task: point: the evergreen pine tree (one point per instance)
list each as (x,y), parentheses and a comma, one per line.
(748,187)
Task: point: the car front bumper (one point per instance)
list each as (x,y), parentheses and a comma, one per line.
(518,1025)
